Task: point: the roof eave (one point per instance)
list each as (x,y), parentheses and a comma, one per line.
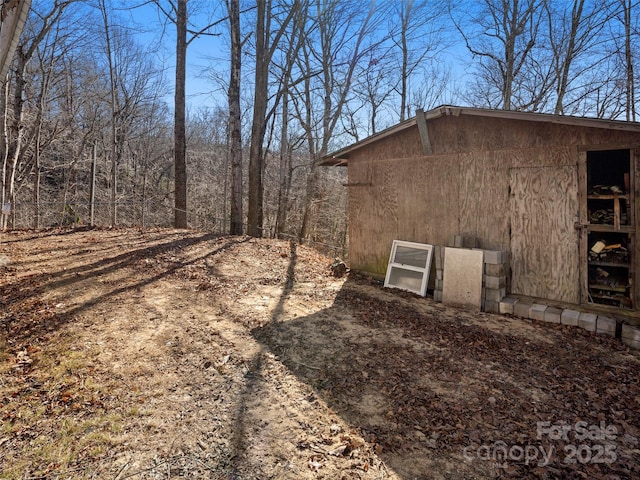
(341,157)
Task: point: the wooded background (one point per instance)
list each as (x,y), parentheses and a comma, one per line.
(92,111)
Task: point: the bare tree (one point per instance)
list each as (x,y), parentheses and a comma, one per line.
(374,87)
(340,30)
(630,90)
(177,12)
(574,31)
(502,34)
(417,34)
(179,133)
(235,126)
(42,20)
(113,88)
(267,41)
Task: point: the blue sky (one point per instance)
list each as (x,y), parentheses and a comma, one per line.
(208,56)
(204,55)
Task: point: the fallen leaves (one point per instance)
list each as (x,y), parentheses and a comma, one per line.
(243,337)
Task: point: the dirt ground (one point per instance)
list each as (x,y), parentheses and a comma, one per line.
(180,354)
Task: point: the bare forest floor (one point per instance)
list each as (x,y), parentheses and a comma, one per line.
(164,354)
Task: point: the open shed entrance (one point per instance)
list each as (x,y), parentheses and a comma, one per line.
(610,233)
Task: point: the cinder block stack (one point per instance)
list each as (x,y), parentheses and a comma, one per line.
(494,280)
(495,300)
(438,258)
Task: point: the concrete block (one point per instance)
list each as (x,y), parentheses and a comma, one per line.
(438,284)
(495,257)
(495,270)
(606,325)
(437,253)
(522,309)
(631,336)
(437,295)
(536,312)
(495,294)
(552,315)
(491,307)
(507,304)
(630,332)
(469,242)
(494,282)
(631,343)
(462,282)
(458,241)
(439,274)
(569,317)
(588,321)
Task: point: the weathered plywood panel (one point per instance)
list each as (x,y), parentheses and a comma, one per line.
(404,144)
(484,194)
(539,157)
(583,219)
(476,134)
(635,257)
(428,199)
(407,199)
(373,214)
(544,242)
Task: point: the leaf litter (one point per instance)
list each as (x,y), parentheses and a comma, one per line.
(166,353)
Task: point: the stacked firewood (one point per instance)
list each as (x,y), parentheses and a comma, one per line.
(614,252)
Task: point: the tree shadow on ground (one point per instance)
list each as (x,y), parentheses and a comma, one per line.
(33,318)
(435,390)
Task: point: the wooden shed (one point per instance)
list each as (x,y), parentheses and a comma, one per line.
(560,194)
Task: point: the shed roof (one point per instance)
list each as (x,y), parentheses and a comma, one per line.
(341,157)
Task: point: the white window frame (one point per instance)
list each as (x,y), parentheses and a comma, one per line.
(400,266)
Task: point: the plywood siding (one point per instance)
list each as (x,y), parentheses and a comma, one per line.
(411,199)
(373,214)
(635,256)
(484,195)
(429,199)
(472,134)
(544,242)
(511,184)
(402,145)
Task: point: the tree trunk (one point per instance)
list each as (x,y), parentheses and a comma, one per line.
(114,114)
(5,156)
(180,145)
(405,13)
(235,135)
(628,56)
(18,124)
(258,127)
(563,80)
(92,186)
(265,48)
(312,181)
(36,184)
(285,160)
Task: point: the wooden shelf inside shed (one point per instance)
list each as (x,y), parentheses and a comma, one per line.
(611,228)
